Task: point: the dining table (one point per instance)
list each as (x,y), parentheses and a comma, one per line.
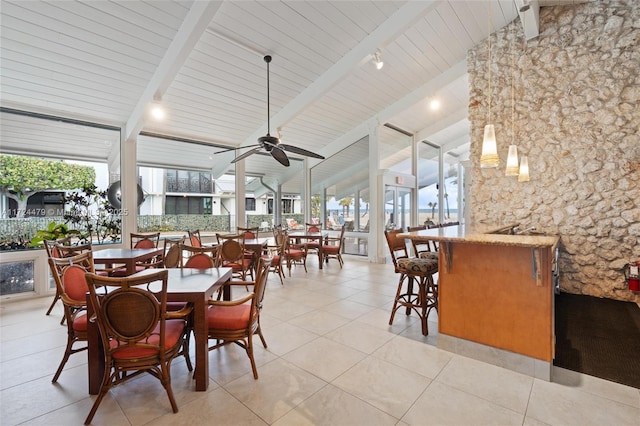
(128,257)
(195,286)
(310,236)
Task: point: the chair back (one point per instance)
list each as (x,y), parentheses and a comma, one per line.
(341,237)
(422,246)
(66,251)
(74,284)
(397,246)
(210,251)
(58,265)
(231,250)
(132,314)
(260,282)
(51,246)
(199,261)
(194,238)
(145,240)
(313,227)
(249,233)
(173,251)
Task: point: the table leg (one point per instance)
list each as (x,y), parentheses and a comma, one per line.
(95,353)
(201,373)
(320,260)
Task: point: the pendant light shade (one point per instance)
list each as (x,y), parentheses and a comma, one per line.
(523,176)
(489,158)
(512,161)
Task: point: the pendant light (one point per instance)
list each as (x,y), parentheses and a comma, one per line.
(523,175)
(489,157)
(512,157)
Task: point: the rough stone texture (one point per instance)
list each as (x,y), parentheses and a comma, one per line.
(577,118)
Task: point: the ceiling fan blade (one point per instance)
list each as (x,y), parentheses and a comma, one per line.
(300,151)
(279,155)
(233,149)
(246,154)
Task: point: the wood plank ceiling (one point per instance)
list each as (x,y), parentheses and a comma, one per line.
(102,61)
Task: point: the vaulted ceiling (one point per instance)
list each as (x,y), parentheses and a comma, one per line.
(106,61)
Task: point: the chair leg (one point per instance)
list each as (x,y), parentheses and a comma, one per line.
(397,298)
(249,349)
(165,378)
(65,358)
(104,388)
(55,299)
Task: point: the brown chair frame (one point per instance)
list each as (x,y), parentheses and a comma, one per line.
(295,254)
(191,251)
(172,249)
(422,247)
(133,322)
(328,248)
(242,336)
(74,301)
(231,253)
(426,297)
(250,233)
(275,254)
(194,238)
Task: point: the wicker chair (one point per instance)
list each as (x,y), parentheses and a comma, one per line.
(232,254)
(332,248)
(138,333)
(72,287)
(238,320)
(412,270)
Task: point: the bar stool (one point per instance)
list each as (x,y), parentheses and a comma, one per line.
(411,270)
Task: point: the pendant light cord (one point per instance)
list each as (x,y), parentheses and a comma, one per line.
(489,62)
(513,77)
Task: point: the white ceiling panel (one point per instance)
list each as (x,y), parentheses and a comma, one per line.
(97,61)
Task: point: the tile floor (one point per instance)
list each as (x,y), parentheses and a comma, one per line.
(332,360)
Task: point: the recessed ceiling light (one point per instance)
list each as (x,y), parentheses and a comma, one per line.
(434,104)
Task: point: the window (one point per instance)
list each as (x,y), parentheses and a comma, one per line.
(250,204)
(187,205)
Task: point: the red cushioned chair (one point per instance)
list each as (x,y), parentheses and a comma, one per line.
(72,287)
(146,240)
(332,248)
(238,320)
(138,333)
(294,255)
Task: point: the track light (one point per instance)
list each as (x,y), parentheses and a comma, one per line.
(378,60)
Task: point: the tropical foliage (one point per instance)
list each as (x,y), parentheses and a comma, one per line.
(22,176)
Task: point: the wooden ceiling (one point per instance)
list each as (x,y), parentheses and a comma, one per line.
(105,61)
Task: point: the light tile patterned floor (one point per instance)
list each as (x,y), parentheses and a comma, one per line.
(332,360)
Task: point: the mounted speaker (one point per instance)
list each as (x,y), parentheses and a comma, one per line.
(114,195)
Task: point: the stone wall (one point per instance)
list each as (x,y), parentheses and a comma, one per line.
(577,117)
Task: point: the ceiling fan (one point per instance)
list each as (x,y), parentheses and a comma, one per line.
(271,144)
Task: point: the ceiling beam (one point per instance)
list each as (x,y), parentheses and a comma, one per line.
(194,24)
(529,11)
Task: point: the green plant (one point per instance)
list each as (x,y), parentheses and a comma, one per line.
(54,231)
(91,211)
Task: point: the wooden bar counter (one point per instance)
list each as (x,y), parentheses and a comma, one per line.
(497,291)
